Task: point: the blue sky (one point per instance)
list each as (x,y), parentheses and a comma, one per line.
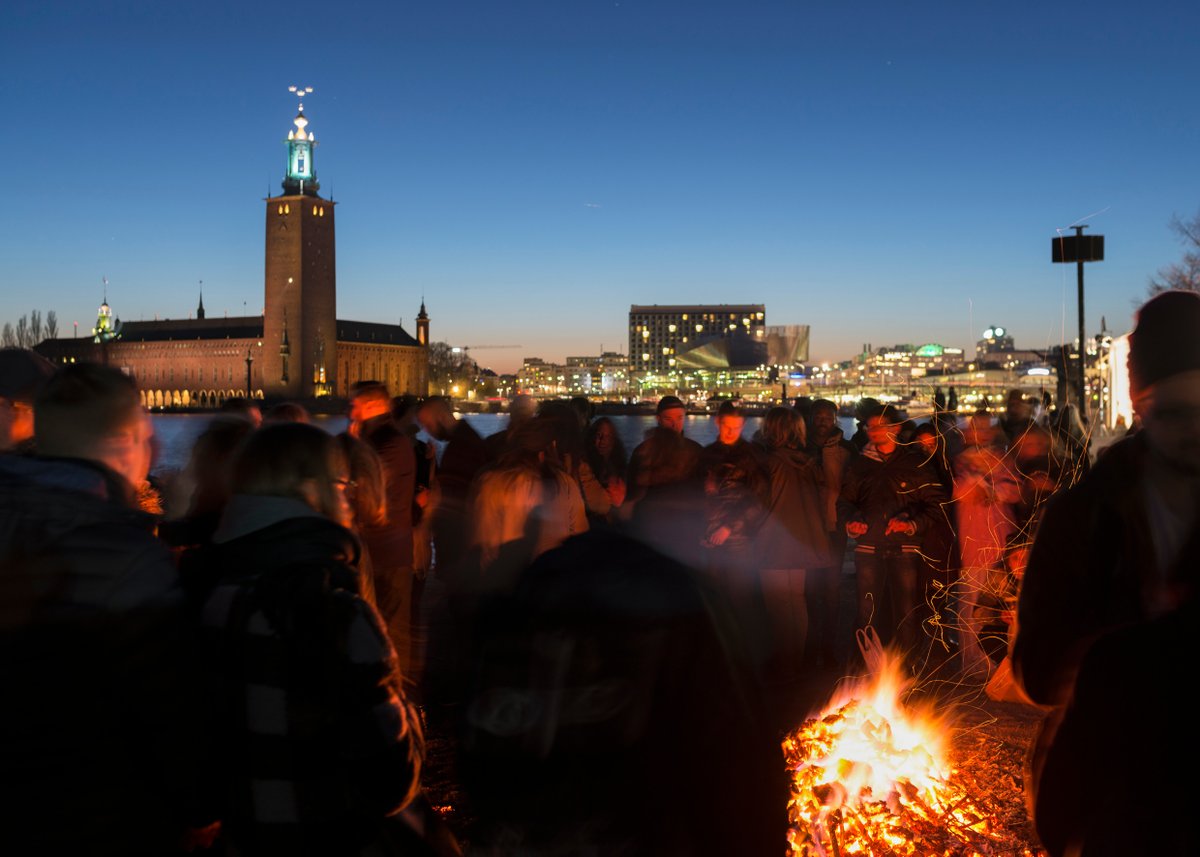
(883,172)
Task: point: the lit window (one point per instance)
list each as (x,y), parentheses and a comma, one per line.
(671,328)
(699,328)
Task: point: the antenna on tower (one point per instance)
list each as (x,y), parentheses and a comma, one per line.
(105,281)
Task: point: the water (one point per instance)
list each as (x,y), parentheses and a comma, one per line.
(176,433)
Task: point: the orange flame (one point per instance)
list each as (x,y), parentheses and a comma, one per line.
(869,776)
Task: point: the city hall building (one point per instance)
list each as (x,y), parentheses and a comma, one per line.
(298,349)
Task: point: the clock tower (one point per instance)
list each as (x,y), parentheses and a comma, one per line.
(300,301)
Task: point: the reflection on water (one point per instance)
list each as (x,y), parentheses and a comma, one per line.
(176,433)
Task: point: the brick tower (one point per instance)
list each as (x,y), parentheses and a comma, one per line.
(300,301)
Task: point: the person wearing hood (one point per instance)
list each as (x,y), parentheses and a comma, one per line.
(321,749)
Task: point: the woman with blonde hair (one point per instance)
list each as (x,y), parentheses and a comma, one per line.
(367,496)
(321,751)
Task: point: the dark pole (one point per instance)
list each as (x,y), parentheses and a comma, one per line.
(1082,390)
(249,363)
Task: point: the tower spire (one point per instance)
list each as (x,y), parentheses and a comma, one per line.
(200,308)
(423,324)
(301,175)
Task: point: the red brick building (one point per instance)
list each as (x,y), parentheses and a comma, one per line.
(298,349)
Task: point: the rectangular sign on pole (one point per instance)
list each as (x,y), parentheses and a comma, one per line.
(1077,248)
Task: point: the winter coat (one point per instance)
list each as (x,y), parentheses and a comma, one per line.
(1093,568)
(101,739)
(399,460)
(594,684)
(835,454)
(319,743)
(736,488)
(877,488)
(793,532)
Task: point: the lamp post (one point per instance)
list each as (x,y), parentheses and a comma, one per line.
(1079,248)
(249,365)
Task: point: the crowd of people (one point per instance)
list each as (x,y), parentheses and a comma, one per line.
(243,660)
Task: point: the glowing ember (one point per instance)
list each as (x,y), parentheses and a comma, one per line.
(868,777)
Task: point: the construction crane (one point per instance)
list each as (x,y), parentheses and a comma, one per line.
(463,349)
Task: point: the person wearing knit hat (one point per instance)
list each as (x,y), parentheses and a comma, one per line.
(664,453)
(1164,377)
(1113,551)
(23,373)
(670,413)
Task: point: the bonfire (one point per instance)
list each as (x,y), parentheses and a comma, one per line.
(869,776)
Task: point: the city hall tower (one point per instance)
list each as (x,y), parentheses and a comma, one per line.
(299,350)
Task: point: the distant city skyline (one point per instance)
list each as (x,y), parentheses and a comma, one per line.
(883,174)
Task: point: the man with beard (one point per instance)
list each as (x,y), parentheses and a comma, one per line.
(1110,551)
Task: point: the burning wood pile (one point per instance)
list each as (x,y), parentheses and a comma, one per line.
(870,776)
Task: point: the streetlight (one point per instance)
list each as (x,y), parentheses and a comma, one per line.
(1079,248)
(249,364)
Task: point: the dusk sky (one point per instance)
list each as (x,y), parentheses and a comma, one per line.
(884,172)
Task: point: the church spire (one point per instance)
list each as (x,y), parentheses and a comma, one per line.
(200,308)
(301,175)
(108,327)
(423,324)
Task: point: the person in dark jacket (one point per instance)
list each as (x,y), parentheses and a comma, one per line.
(463,456)
(735,490)
(1129,690)
(102,742)
(791,539)
(829,447)
(1110,550)
(668,513)
(939,549)
(320,749)
(614,711)
(889,498)
(655,461)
